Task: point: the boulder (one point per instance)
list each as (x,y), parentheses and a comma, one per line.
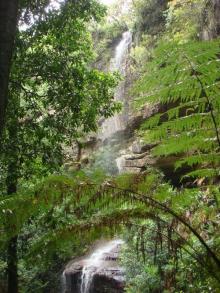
(106,276)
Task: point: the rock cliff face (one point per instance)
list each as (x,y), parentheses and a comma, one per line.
(97,273)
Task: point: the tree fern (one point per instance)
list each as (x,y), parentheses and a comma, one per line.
(185,79)
(67,209)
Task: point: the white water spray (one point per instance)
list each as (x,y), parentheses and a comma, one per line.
(95,261)
(63,283)
(120,53)
(118,63)
(120,162)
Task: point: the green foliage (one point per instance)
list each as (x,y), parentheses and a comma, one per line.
(55,96)
(106,34)
(61,215)
(184,19)
(142,51)
(149,16)
(57,99)
(181,78)
(184,80)
(39,9)
(152,265)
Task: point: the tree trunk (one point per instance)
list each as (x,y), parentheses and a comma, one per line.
(12,264)
(211,20)
(12,258)
(8,23)
(216,4)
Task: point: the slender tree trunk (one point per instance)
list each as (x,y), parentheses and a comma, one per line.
(12,258)
(12,263)
(216,17)
(8,24)
(211,20)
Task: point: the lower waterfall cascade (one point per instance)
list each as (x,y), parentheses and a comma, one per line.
(94,262)
(81,276)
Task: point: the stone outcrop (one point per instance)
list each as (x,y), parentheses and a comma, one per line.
(106,275)
(131,161)
(111,281)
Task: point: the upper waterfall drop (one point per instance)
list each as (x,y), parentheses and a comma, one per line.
(118,63)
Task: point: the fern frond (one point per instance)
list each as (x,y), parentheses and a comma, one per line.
(184,144)
(184,78)
(199,159)
(203,173)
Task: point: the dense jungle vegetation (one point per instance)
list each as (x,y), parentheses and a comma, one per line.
(57,92)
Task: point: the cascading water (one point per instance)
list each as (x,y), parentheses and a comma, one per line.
(120,52)
(109,128)
(97,260)
(120,163)
(94,262)
(63,283)
(118,63)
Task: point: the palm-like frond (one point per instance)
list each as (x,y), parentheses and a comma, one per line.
(185,79)
(73,208)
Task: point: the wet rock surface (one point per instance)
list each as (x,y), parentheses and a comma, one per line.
(104,274)
(111,281)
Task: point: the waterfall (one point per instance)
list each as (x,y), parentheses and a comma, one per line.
(118,63)
(63,283)
(109,127)
(94,262)
(120,161)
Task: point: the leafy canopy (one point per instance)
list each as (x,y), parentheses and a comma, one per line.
(55,94)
